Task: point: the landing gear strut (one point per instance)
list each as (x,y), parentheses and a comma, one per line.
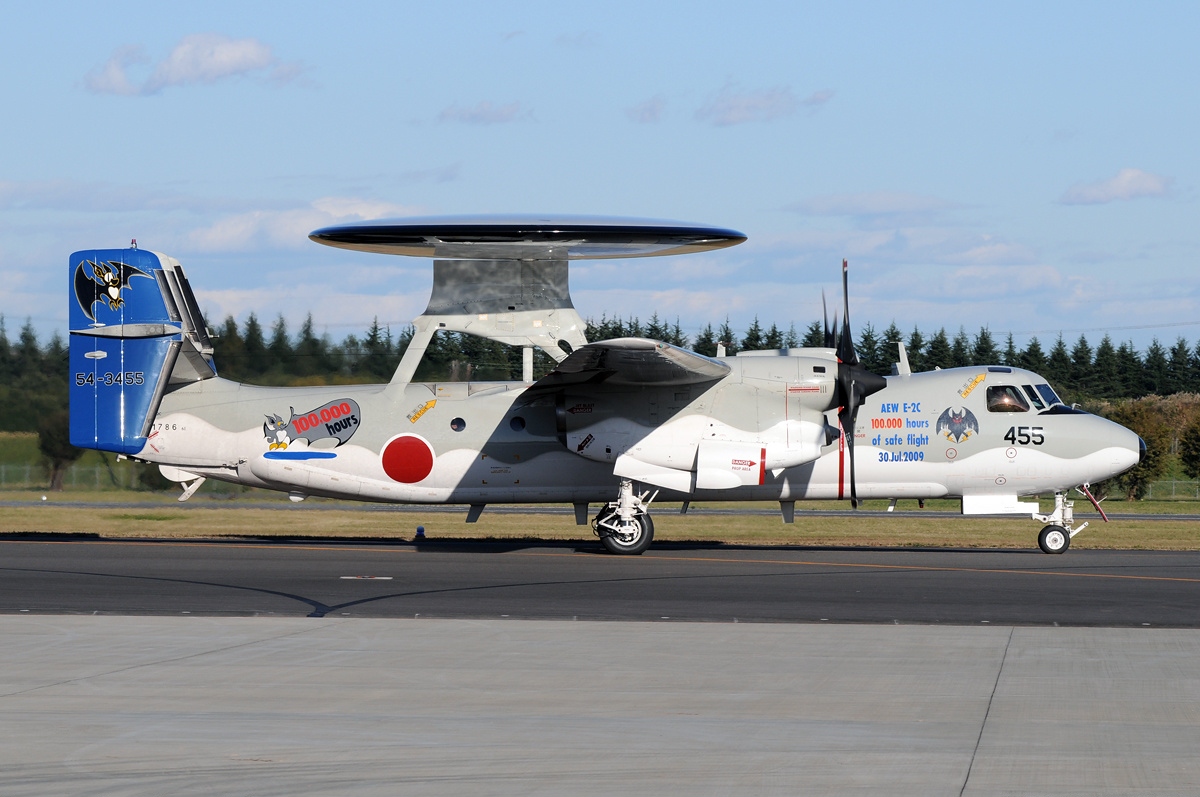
(1056,537)
(624,525)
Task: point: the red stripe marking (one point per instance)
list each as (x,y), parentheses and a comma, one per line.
(841,462)
(1095,503)
(762,466)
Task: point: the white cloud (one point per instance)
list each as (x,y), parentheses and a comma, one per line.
(484,113)
(288,229)
(289,72)
(91,197)
(732,106)
(693,307)
(112,76)
(694,270)
(435,174)
(818,98)
(990,252)
(896,246)
(648,112)
(200,58)
(338,313)
(1128,184)
(979,283)
(206,58)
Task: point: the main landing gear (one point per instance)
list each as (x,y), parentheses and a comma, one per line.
(624,525)
(1056,537)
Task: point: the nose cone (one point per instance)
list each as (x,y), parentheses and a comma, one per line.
(1127,449)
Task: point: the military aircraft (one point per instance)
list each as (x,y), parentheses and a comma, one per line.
(618,423)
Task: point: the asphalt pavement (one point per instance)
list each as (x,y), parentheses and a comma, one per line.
(135,667)
(682,582)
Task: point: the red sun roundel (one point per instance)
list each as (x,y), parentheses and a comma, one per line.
(407,458)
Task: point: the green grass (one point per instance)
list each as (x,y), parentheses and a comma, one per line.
(229,514)
(344,520)
(18,448)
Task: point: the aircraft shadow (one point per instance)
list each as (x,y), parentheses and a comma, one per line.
(494,545)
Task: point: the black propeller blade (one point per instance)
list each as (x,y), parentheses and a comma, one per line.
(830,331)
(854,382)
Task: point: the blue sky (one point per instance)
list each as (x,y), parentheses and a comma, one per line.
(1031,168)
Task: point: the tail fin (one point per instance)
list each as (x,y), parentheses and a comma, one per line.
(136,330)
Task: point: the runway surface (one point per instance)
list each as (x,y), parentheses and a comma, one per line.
(672,582)
(300,667)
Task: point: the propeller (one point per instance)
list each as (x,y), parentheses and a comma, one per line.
(854,382)
(830,331)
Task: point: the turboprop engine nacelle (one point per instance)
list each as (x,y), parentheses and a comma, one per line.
(767,415)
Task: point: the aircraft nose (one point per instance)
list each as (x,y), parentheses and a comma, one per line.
(1128,449)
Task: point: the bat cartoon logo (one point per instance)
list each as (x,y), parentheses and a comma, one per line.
(957,424)
(103,284)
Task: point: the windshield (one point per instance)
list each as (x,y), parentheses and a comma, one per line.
(1048,395)
(1006,398)
(1038,404)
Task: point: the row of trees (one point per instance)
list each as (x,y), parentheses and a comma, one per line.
(1108,371)
(1079,371)
(33,376)
(1170,427)
(33,379)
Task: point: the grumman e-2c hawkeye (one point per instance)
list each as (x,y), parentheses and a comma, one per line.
(617,422)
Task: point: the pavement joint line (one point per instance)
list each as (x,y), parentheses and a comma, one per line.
(987,711)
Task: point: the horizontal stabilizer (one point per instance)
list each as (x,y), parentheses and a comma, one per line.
(632,362)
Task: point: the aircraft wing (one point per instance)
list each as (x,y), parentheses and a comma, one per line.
(632,362)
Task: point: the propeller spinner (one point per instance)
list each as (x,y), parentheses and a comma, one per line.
(854,382)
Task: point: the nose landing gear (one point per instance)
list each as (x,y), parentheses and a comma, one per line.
(1056,537)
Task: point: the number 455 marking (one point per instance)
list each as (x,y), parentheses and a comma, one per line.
(1024,435)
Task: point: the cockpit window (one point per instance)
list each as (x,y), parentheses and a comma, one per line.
(1006,398)
(1038,404)
(1048,395)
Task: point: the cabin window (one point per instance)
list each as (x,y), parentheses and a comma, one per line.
(1006,398)
(1038,404)
(458,424)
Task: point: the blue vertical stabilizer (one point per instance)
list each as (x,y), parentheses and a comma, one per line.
(136,331)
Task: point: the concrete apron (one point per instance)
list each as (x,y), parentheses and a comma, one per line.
(202,705)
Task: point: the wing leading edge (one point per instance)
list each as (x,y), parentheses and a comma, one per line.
(631,362)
